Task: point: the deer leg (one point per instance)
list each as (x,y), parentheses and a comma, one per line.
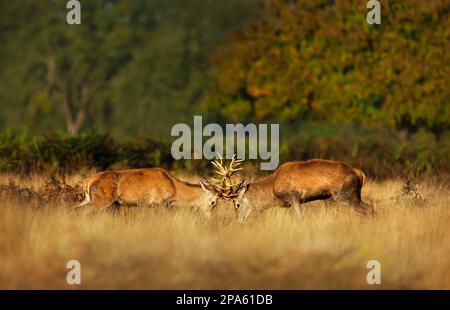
(329,202)
(169,203)
(92,208)
(291,200)
(360,206)
(294,201)
(367,209)
(296,208)
(350,194)
(115,207)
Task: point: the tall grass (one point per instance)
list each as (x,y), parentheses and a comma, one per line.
(325,248)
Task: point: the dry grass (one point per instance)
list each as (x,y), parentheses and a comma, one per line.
(326,248)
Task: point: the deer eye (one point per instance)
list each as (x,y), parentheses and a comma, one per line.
(238,205)
(213,203)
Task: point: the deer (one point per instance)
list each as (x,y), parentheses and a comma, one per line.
(295,183)
(146,187)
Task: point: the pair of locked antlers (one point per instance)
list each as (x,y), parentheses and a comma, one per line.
(225,186)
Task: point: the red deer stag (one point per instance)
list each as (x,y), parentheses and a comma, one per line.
(294,183)
(146,187)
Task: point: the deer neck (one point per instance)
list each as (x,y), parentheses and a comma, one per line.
(261,193)
(188,195)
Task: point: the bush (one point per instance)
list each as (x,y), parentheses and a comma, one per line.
(381,154)
(378,152)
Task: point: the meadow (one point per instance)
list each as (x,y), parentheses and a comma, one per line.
(107,95)
(327,247)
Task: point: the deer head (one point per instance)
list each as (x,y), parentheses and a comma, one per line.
(231,189)
(220,188)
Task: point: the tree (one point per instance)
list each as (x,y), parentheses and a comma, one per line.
(131,67)
(321,60)
(73,63)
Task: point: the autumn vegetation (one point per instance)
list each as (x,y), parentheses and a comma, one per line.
(104,95)
(321,60)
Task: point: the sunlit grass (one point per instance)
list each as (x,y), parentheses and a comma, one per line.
(324,248)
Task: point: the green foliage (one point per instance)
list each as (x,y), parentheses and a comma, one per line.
(379,154)
(321,60)
(64,153)
(133,67)
(25,153)
(339,88)
(144,154)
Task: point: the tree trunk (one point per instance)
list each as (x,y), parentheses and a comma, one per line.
(74,118)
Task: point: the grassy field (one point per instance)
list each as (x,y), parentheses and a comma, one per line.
(325,248)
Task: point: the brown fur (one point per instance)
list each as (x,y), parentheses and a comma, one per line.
(294,183)
(145,187)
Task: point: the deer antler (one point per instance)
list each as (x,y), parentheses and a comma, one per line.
(219,166)
(225,186)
